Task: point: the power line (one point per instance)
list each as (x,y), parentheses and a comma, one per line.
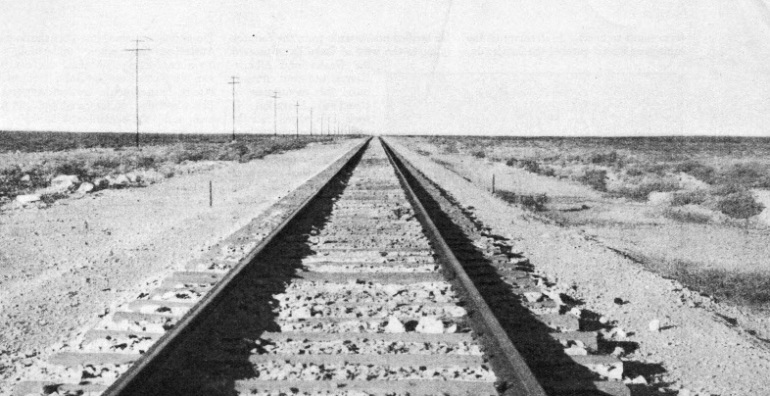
(233,82)
(136,50)
(275,112)
(297,119)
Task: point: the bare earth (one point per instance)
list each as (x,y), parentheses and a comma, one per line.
(63,267)
(695,350)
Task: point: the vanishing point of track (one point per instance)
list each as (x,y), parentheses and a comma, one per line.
(356,292)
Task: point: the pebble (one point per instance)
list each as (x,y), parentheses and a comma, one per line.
(654,325)
(394,326)
(533,296)
(430,325)
(576,351)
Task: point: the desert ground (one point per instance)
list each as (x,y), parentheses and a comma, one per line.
(708,344)
(68,263)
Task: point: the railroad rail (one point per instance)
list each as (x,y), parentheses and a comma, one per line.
(352,291)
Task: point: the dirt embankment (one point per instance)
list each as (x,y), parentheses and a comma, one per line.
(64,266)
(696,349)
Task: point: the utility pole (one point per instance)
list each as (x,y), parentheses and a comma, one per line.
(136,50)
(275,113)
(233,82)
(311,121)
(297,119)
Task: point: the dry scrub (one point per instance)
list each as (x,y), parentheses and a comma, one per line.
(27,172)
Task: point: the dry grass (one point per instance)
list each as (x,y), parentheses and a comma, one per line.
(749,289)
(25,172)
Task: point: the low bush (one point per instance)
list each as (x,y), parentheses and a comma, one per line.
(423,152)
(696,197)
(741,205)
(534,202)
(479,154)
(686,216)
(595,178)
(751,289)
(512,162)
(749,174)
(642,191)
(611,158)
(530,165)
(451,148)
(697,170)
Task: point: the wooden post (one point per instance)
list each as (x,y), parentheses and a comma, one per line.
(493,183)
(211,194)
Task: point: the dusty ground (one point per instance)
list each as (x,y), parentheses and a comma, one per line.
(64,266)
(696,350)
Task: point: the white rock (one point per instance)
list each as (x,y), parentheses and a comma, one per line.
(27,198)
(302,313)
(119,181)
(618,333)
(618,352)
(639,380)
(394,326)
(85,188)
(430,325)
(603,320)
(533,296)
(576,312)
(63,183)
(576,351)
(655,325)
(26,179)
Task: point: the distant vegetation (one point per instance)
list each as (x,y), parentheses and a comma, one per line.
(715,172)
(31,160)
(28,142)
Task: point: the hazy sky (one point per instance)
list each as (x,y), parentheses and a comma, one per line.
(526,67)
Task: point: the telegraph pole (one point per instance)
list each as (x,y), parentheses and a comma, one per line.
(136,50)
(297,119)
(275,112)
(233,82)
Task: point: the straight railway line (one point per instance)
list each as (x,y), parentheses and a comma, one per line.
(350,290)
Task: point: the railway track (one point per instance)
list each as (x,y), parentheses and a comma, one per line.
(351,291)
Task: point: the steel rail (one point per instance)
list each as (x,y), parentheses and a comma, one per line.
(144,367)
(508,363)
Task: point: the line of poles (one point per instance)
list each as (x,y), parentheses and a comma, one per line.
(337,129)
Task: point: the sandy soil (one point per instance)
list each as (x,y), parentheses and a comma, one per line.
(696,349)
(65,266)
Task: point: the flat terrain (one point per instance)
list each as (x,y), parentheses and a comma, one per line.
(65,265)
(703,347)
(663,201)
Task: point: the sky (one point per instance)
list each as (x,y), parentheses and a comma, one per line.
(512,67)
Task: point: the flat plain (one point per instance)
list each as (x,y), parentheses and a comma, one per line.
(694,209)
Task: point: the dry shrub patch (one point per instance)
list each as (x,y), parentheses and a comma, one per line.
(534,202)
(26,172)
(749,289)
(686,216)
(642,191)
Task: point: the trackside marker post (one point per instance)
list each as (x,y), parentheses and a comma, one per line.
(493,183)
(211,194)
